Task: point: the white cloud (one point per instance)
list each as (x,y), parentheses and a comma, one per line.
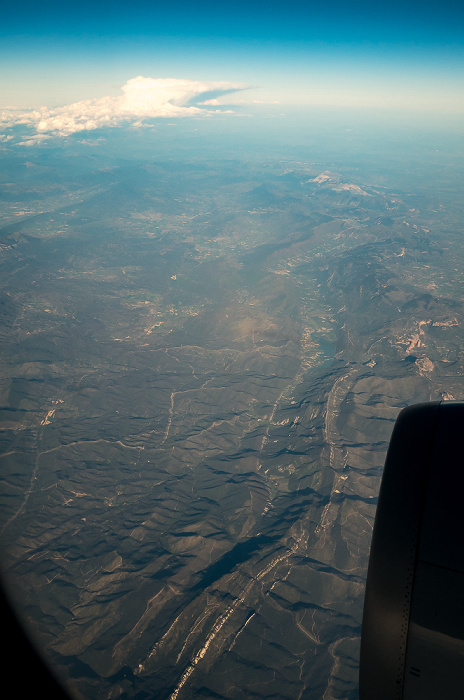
(211,103)
(141,99)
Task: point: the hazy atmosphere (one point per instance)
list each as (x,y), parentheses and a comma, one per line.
(231,252)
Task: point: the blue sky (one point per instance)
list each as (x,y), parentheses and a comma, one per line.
(395,55)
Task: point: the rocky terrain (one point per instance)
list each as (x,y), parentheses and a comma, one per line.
(201,367)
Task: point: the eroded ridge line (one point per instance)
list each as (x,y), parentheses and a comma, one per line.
(171,411)
(212,636)
(27,494)
(225,617)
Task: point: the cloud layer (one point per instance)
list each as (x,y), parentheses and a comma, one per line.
(142,99)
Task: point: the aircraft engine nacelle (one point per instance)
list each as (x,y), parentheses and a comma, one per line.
(412,644)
